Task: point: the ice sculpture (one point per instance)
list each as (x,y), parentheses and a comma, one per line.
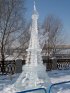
(34,74)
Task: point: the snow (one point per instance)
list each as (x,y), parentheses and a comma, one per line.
(55,77)
(59,75)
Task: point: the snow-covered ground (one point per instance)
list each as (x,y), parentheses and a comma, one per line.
(60,76)
(55,76)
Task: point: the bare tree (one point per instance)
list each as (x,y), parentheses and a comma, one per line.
(24,41)
(11,24)
(52,29)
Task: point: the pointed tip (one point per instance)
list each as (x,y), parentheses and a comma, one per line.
(34,2)
(34,6)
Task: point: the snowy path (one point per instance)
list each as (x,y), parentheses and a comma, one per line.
(55,76)
(60,76)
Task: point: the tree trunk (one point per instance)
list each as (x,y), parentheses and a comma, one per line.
(2,67)
(48,65)
(2,61)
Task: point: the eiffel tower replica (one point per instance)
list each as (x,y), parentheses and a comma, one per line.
(34,74)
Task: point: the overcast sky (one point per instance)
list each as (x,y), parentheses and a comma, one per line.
(58,8)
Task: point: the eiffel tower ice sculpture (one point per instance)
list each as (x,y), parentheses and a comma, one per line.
(33,74)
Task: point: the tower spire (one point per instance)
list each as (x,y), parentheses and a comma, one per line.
(34,6)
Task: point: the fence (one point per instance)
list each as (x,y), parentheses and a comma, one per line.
(9,67)
(57,64)
(63,64)
(60,83)
(43,90)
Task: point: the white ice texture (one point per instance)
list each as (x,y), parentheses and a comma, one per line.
(34,74)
